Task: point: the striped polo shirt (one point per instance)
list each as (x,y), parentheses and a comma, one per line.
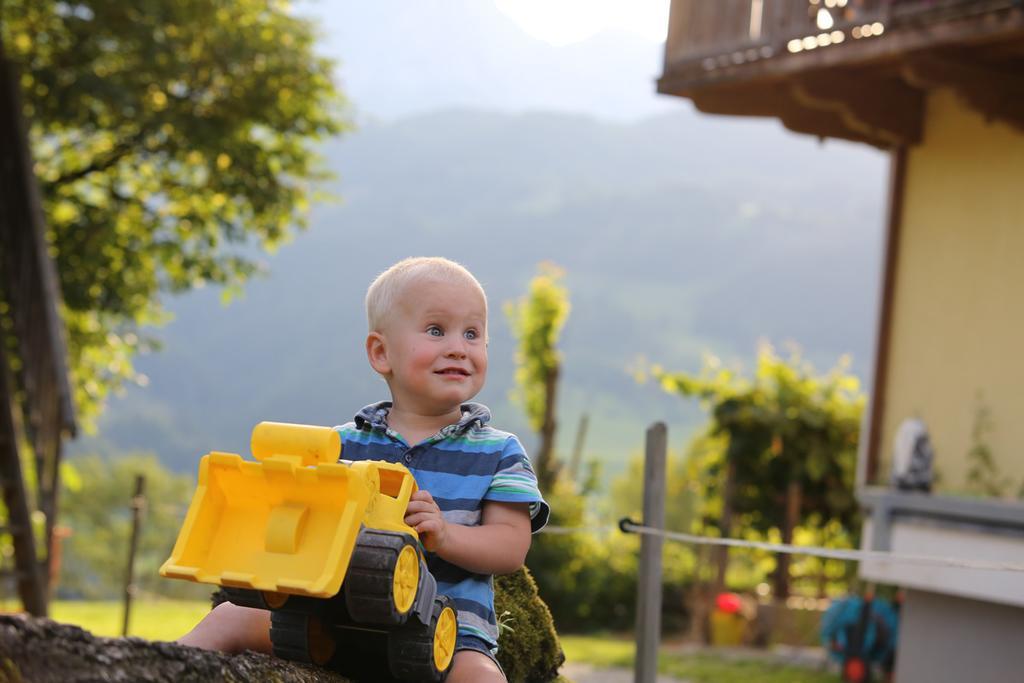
(462,465)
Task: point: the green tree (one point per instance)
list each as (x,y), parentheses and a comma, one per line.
(172,140)
(537,321)
(789,452)
(96,508)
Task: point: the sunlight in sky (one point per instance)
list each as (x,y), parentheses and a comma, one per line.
(563,22)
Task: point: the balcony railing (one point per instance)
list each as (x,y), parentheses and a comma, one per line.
(708,35)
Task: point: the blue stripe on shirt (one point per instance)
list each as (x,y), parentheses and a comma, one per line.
(462,466)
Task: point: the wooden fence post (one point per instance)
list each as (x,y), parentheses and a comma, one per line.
(648,607)
(577,448)
(138,505)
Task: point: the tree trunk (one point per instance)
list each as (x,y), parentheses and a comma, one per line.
(793,502)
(547,468)
(724,528)
(700,600)
(44,651)
(708,592)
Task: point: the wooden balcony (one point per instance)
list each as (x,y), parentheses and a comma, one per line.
(851,69)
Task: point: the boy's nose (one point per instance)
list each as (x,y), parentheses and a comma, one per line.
(456,349)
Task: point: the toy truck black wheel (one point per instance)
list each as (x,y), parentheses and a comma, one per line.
(425,653)
(301,637)
(383,578)
(247,597)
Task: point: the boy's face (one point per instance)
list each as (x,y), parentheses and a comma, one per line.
(434,346)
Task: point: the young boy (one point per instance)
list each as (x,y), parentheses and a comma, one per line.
(478,500)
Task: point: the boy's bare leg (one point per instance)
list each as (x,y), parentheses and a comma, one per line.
(232,629)
(471,666)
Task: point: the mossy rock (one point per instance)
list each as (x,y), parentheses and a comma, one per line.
(528,650)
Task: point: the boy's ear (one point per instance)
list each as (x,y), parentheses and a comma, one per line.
(377,353)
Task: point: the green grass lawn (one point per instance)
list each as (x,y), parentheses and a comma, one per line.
(599,650)
(150,619)
(707,666)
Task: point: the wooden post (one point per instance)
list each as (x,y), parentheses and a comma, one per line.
(577,448)
(138,505)
(648,607)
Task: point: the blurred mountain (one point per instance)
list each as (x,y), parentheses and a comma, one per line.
(680,235)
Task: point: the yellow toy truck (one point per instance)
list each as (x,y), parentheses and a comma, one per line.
(321,543)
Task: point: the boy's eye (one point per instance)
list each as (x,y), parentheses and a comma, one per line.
(435,331)
(471,334)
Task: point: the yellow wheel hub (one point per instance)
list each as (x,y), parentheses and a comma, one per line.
(444,639)
(275,600)
(406,579)
(319,641)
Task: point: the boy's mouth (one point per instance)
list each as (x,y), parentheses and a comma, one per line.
(458,372)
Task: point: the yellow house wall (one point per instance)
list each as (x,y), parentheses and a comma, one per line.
(958,307)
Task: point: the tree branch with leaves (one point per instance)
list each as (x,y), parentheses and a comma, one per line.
(790,448)
(172,141)
(537,321)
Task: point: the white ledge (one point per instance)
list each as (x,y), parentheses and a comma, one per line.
(944,526)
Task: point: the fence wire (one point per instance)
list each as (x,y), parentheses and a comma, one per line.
(628,526)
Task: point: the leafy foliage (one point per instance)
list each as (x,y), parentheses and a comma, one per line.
(96,506)
(537,320)
(682,489)
(786,426)
(171,138)
(786,423)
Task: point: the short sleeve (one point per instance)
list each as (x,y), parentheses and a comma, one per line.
(515,482)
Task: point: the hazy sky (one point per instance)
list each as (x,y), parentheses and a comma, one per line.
(402,57)
(563,22)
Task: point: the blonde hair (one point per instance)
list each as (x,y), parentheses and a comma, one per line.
(386,290)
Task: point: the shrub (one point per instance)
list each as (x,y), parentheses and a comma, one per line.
(589,581)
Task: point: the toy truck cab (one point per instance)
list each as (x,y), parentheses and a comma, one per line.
(323,545)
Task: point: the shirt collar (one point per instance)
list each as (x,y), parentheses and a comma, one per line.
(375,416)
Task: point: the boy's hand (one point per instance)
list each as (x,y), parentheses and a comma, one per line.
(425,517)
